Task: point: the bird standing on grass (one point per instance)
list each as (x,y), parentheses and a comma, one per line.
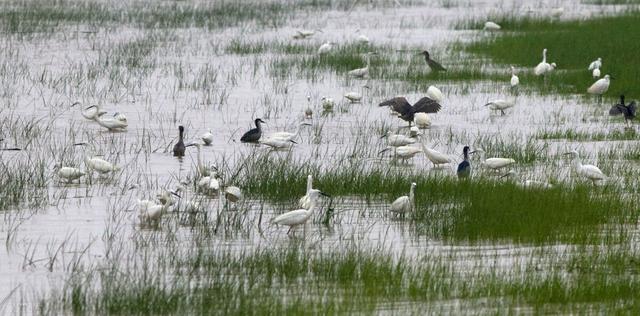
(628,110)
(434,66)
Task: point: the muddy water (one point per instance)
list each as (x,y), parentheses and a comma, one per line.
(80,219)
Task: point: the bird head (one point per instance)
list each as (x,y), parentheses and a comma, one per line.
(553,65)
(181,129)
(259,120)
(425,53)
(315,193)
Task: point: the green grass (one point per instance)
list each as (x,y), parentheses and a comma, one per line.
(572,45)
(480,210)
(570,134)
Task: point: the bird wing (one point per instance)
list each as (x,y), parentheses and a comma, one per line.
(399,104)
(616,109)
(632,108)
(435,66)
(426,105)
(400,204)
(291,218)
(463,166)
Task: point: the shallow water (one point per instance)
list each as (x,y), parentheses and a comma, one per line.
(83,216)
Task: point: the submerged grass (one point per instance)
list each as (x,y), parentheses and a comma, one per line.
(572,45)
(481,209)
(570,134)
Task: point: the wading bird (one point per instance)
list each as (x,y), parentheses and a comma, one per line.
(288,136)
(464,168)
(436,157)
(305,201)
(596,64)
(178,148)
(149,213)
(254,134)
(422,120)
(362,72)
(600,87)
(303,34)
(590,172)
(69,174)
(628,110)
(435,94)
(512,175)
(500,105)
(404,204)
(327,103)
(397,140)
(325,48)
(491,26)
(434,66)
(498,163)
(403,152)
(99,165)
(407,111)
(207,138)
(355,97)
(276,143)
(112,124)
(203,170)
(308,112)
(90,113)
(233,194)
(595,73)
(515,81)
(300,216)
(544,68)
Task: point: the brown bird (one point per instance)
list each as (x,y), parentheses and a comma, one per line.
(407,111)
(178,148)
(434,65)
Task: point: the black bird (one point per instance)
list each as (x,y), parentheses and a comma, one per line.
(178,148)
(407,111)
(434,65)
(628,110)
(254,134)
(464,168)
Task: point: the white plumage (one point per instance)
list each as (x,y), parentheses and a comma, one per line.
(404,204)
(69,174)
(600,86)
(362,72)
(233,194)
(207,138)
(100,165)
(435,94)
(397,140)
(500,105)
(590,172)
(491,26)
(404,152)
(325,48)
(596,64)
(299,216)
(422,120)
(276,143)
(305,201)
(112,123)
(544,67)
(353,97)
(595,73)
(515,81)
(328,103)
(498,163)
(436,157)
(288,136)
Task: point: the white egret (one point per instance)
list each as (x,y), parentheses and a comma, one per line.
(207,138)
(557,12)
(94,163)
(353,97)
(515,81)
(300,216)
(436,157)
(404,204)
(287,136)
(491,26)
(362,72)
(422,120)
(277,143)
(543,68)
(149,213)
(595,73)
(209,184)
(596,64)
(325,48)
(414,130)
(500,105)
(303,34)
(397,140)
(308,112)
(69,173)
(435,94)
(203,170)
(590,172)
(305,201)
(404,152)
(498,163)
(328,103)
(111,123)
(600,86)
(90,113)
(120,117)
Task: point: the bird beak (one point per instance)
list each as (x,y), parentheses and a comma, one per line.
(383,136)
(471,152)
(307,124)
(75,103)
(175,194)
(322,193)
(504,175)
(11,149)
(91,106)
(293,141)
(383,150)
(80,144)
(192,144)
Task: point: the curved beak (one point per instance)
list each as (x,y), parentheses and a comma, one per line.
(75,103)
(293,141)
(80,144)
(175,194)
(307,124)
(383,150)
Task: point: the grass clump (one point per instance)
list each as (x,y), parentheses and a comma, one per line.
(524,38)
(570,134)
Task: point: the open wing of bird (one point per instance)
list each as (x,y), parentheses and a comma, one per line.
(426,105)
(399,104)
(617,109)
(435,66)
(632,108)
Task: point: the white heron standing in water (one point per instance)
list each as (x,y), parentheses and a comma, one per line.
(287,136)
(300,216)
(589,172)
(397,140)
(305,201)
(325,48)
(544,68)
(203,170)
(600,87)
(69,173)
(362,72)
(404,204)
(436,157)
(498,163)
(500,105)
(515,80)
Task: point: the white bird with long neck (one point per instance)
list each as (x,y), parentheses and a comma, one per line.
(515,80)
(69,173)
(437,158)
(498,163)
(543,68)
(287,136)
(404,204)
(403,152)
(277,143)
(305,201)
(596,64)
(512,175)
(589,172)
(203,170)
(362,72)
(91,113)
(149,213)
(111,123)
(300,216)
(491,26)
(99,165)
(500,105)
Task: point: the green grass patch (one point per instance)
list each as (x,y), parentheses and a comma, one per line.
(569,134)
(572,45)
